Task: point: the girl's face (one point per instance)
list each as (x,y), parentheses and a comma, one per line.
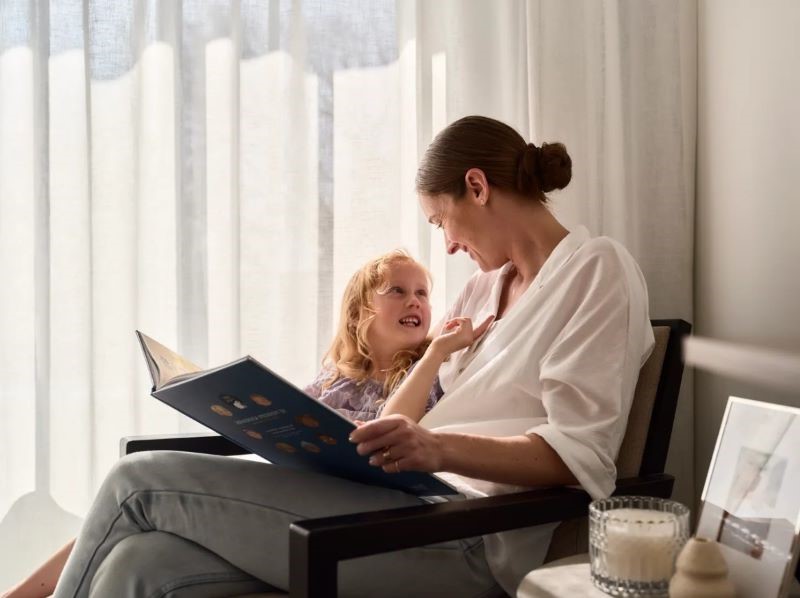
(466,228)
(402,310)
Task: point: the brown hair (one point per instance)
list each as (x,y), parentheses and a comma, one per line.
(500,152)
(349,354)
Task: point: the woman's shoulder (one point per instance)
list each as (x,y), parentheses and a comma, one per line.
(605,251)
(602,246)
(608,264)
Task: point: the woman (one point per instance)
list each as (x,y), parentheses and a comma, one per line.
(544,398)
(541,399)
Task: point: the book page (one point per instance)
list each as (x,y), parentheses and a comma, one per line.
(164,364)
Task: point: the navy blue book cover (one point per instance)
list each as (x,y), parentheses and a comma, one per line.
(257,409)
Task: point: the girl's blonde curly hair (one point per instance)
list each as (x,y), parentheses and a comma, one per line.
(349,353)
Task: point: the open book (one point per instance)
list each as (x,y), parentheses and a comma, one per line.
(249,404)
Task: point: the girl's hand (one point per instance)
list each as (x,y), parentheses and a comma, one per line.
(458,334)
(396,443)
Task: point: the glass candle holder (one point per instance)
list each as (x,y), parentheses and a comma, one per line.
(633,543)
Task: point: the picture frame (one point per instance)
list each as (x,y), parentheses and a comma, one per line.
(751,497)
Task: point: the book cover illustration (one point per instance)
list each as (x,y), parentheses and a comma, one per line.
(257,409)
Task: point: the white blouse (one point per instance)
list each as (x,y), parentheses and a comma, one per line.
(561,363)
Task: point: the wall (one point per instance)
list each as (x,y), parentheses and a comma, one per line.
(747,263)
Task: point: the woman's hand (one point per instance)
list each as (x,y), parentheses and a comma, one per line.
(396,443)
(458,334)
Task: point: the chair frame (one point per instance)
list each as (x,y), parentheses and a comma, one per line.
(317,545)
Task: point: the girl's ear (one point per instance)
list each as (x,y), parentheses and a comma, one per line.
(477,186)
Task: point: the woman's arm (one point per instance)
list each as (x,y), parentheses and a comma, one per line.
(42,582)
(411,397)
(525,460)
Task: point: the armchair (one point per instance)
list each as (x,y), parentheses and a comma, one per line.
(317,545)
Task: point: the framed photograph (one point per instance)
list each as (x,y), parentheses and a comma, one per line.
(751,499)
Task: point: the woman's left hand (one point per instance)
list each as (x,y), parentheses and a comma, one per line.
(396,443)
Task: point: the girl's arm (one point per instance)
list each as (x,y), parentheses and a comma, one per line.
(411,397)
(42,582)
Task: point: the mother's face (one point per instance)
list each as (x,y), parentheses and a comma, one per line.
(467,227)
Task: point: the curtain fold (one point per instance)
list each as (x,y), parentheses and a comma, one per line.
(213,172)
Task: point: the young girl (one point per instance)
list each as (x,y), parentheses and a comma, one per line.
(383,332)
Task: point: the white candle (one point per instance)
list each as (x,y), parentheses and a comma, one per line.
(641,544)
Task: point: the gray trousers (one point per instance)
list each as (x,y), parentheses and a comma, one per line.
(180,524)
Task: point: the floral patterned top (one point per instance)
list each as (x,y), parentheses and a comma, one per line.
(359,400)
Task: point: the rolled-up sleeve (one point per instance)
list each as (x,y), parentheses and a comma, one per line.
(587,377)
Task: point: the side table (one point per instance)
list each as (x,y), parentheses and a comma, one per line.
(569,577)
(564,577)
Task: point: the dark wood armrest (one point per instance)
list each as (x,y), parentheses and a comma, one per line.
(317,545)
(210,444)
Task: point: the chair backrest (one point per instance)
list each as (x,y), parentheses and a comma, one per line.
(646,442)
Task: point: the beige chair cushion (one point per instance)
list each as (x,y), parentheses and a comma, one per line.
(631,451)
(572,536)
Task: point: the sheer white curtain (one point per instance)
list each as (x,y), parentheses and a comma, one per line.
(208,172)
(212,172)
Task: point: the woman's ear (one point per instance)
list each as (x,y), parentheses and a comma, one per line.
(477,186)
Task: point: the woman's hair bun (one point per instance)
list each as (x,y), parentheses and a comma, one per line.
(555,167)
(543,168)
